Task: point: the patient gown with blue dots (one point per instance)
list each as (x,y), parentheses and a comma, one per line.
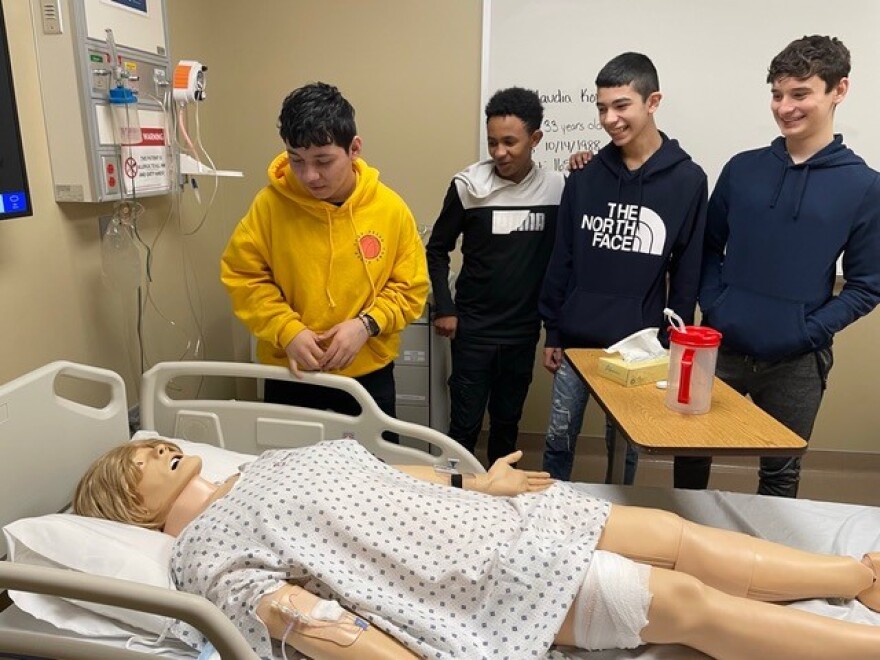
(449,573)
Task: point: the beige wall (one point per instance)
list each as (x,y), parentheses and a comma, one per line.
(49,263)
(411,68)
(55,304)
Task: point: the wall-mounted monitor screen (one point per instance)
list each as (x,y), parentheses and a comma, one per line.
(15,199)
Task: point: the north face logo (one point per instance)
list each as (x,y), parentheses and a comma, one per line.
(627,228)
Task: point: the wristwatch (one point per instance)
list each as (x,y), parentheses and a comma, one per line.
(370,323)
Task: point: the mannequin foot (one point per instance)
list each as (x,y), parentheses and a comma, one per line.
(870,597)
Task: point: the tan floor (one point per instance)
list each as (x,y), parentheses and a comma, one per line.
(831,476)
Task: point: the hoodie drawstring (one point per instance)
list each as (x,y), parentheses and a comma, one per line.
(778,190)
(641,186)
(802,187)
(363,261)
(799,192)
(330,265)
(641,178)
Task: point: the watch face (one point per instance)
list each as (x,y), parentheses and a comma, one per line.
(371,324)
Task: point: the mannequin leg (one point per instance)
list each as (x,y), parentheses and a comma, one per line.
(732,562)
(870,597)
(685,611)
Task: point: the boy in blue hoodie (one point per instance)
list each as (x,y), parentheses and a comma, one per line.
(628,243)
(778,220)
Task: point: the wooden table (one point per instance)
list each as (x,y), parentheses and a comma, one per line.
(734,425)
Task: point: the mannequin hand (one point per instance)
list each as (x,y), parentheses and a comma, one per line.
(304,352)
(346,339)
(446,326)
(577,160)
(504,479)
(552,359)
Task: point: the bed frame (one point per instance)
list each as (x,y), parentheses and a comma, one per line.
(254,426)
(49,438)
(48,441)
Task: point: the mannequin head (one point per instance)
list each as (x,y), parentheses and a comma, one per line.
(136,483)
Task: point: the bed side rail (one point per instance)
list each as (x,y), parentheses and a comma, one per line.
(255,426)
(193,609)
(50,434)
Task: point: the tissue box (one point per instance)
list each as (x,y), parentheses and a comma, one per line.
(629,374)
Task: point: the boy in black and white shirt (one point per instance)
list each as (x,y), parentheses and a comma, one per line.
(505,211)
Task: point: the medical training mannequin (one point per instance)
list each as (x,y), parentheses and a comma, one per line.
(705,585)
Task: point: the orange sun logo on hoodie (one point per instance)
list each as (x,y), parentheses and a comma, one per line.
(370,246)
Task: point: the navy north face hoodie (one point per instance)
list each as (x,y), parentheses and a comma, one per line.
(773,236)
(628,244)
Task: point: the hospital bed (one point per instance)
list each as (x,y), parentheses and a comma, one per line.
(48,440)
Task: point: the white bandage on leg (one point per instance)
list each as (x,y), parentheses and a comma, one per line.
(611,609)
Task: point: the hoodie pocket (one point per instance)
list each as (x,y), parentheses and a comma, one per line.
(599,319)
(759,325)
(378,348)
(708,307)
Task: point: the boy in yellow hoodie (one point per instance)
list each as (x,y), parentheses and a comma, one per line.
(327,267)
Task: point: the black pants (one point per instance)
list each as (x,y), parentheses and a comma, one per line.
(789,390)
(379,383)
(495,374)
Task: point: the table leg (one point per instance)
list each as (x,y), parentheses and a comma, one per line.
(618,463)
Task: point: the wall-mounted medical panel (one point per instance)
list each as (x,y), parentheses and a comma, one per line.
(92,159)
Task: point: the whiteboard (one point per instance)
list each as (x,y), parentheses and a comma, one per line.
(711,55)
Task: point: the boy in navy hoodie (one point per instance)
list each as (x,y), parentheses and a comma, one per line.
(628,243)
(778,220)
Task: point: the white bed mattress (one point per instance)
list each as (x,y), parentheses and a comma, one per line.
(819,526)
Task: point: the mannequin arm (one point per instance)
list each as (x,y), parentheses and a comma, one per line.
(371,644)
(469,481)
(501,479)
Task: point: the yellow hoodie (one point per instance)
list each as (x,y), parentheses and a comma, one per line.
(296,262)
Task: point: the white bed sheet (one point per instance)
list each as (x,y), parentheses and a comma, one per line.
(818,526)
(12,618)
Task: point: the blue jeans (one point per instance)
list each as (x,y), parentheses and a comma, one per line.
(569,401)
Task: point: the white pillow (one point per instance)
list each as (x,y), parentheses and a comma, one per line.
(98,547)
(108,548)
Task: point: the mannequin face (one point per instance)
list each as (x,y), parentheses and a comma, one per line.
(165,474)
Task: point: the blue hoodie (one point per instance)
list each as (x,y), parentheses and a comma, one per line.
(623,238)
(773,236)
